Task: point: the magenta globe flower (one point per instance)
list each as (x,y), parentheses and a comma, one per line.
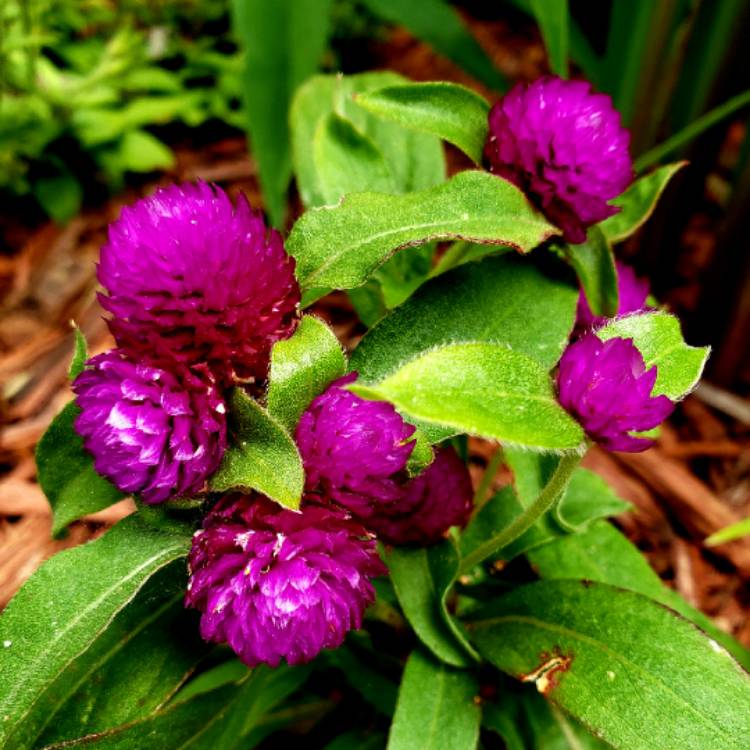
(149,431)
(632,295)
(564,146)
(355,451)
(606,387)
(194,280)
(440,497)
(274,584)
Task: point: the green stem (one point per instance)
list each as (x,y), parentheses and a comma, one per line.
(545,500)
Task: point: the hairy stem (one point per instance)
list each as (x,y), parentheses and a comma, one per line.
(544,501)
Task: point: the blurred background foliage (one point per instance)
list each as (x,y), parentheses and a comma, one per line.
(95,92)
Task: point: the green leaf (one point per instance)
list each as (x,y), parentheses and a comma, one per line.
(261,455)
(729,533)
(140,151)
(438,24)
(659,339)
(422,578)
(340,246)
(602,553)
(301,368)
(347,160)
(71,615)
(80,354)
(421,456)
(503,300)
(451,112)
(436,708)
(154,659)
(461,252)
(60,196)
(283,44)
(225,673)
(630,670)
(482,389)
(188,726)
(594,264)
(638,202)
(66,473)
(415,161)
(553,17)
(377,690)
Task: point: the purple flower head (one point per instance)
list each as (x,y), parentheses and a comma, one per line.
(564,146)
(276,584)
(606,387)
(149,431)
(353,449)
(440,497)
(191,278)
(632,293)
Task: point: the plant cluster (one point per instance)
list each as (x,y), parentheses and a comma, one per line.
(311,491)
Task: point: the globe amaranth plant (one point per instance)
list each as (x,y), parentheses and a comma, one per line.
(310,514)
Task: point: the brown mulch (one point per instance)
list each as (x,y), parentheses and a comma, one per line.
(694,482)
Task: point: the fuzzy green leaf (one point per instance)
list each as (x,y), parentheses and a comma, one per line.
(66,473)
(503,300)
(261,455)
(638,202)
(72,615)
(602,553)
(659,339)
(451,112)
(436,708)
(481,389)
(340,246)
(301,368)
(629,669)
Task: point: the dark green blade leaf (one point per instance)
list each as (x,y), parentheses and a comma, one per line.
(67,475)
(500,300)
(261,455)
(142,675)
(451,112)
(602,553)
(526,720)
(638,202)
(422,578)
(80,354)
(190,725)
(415,160)
(481,389)
(356,740)
(629,669)
(340,246)
(283,43)
(553,18)
(301,368)
(659,339)
(223,674)
(595,266)
(347,161)
(70,616)
(438,24)
(436,708)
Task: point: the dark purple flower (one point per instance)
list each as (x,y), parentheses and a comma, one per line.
(149,431)
(564,146)
(632,293)
(276,584)
(606,387)
(353,449)
(440,497)
(192,279)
